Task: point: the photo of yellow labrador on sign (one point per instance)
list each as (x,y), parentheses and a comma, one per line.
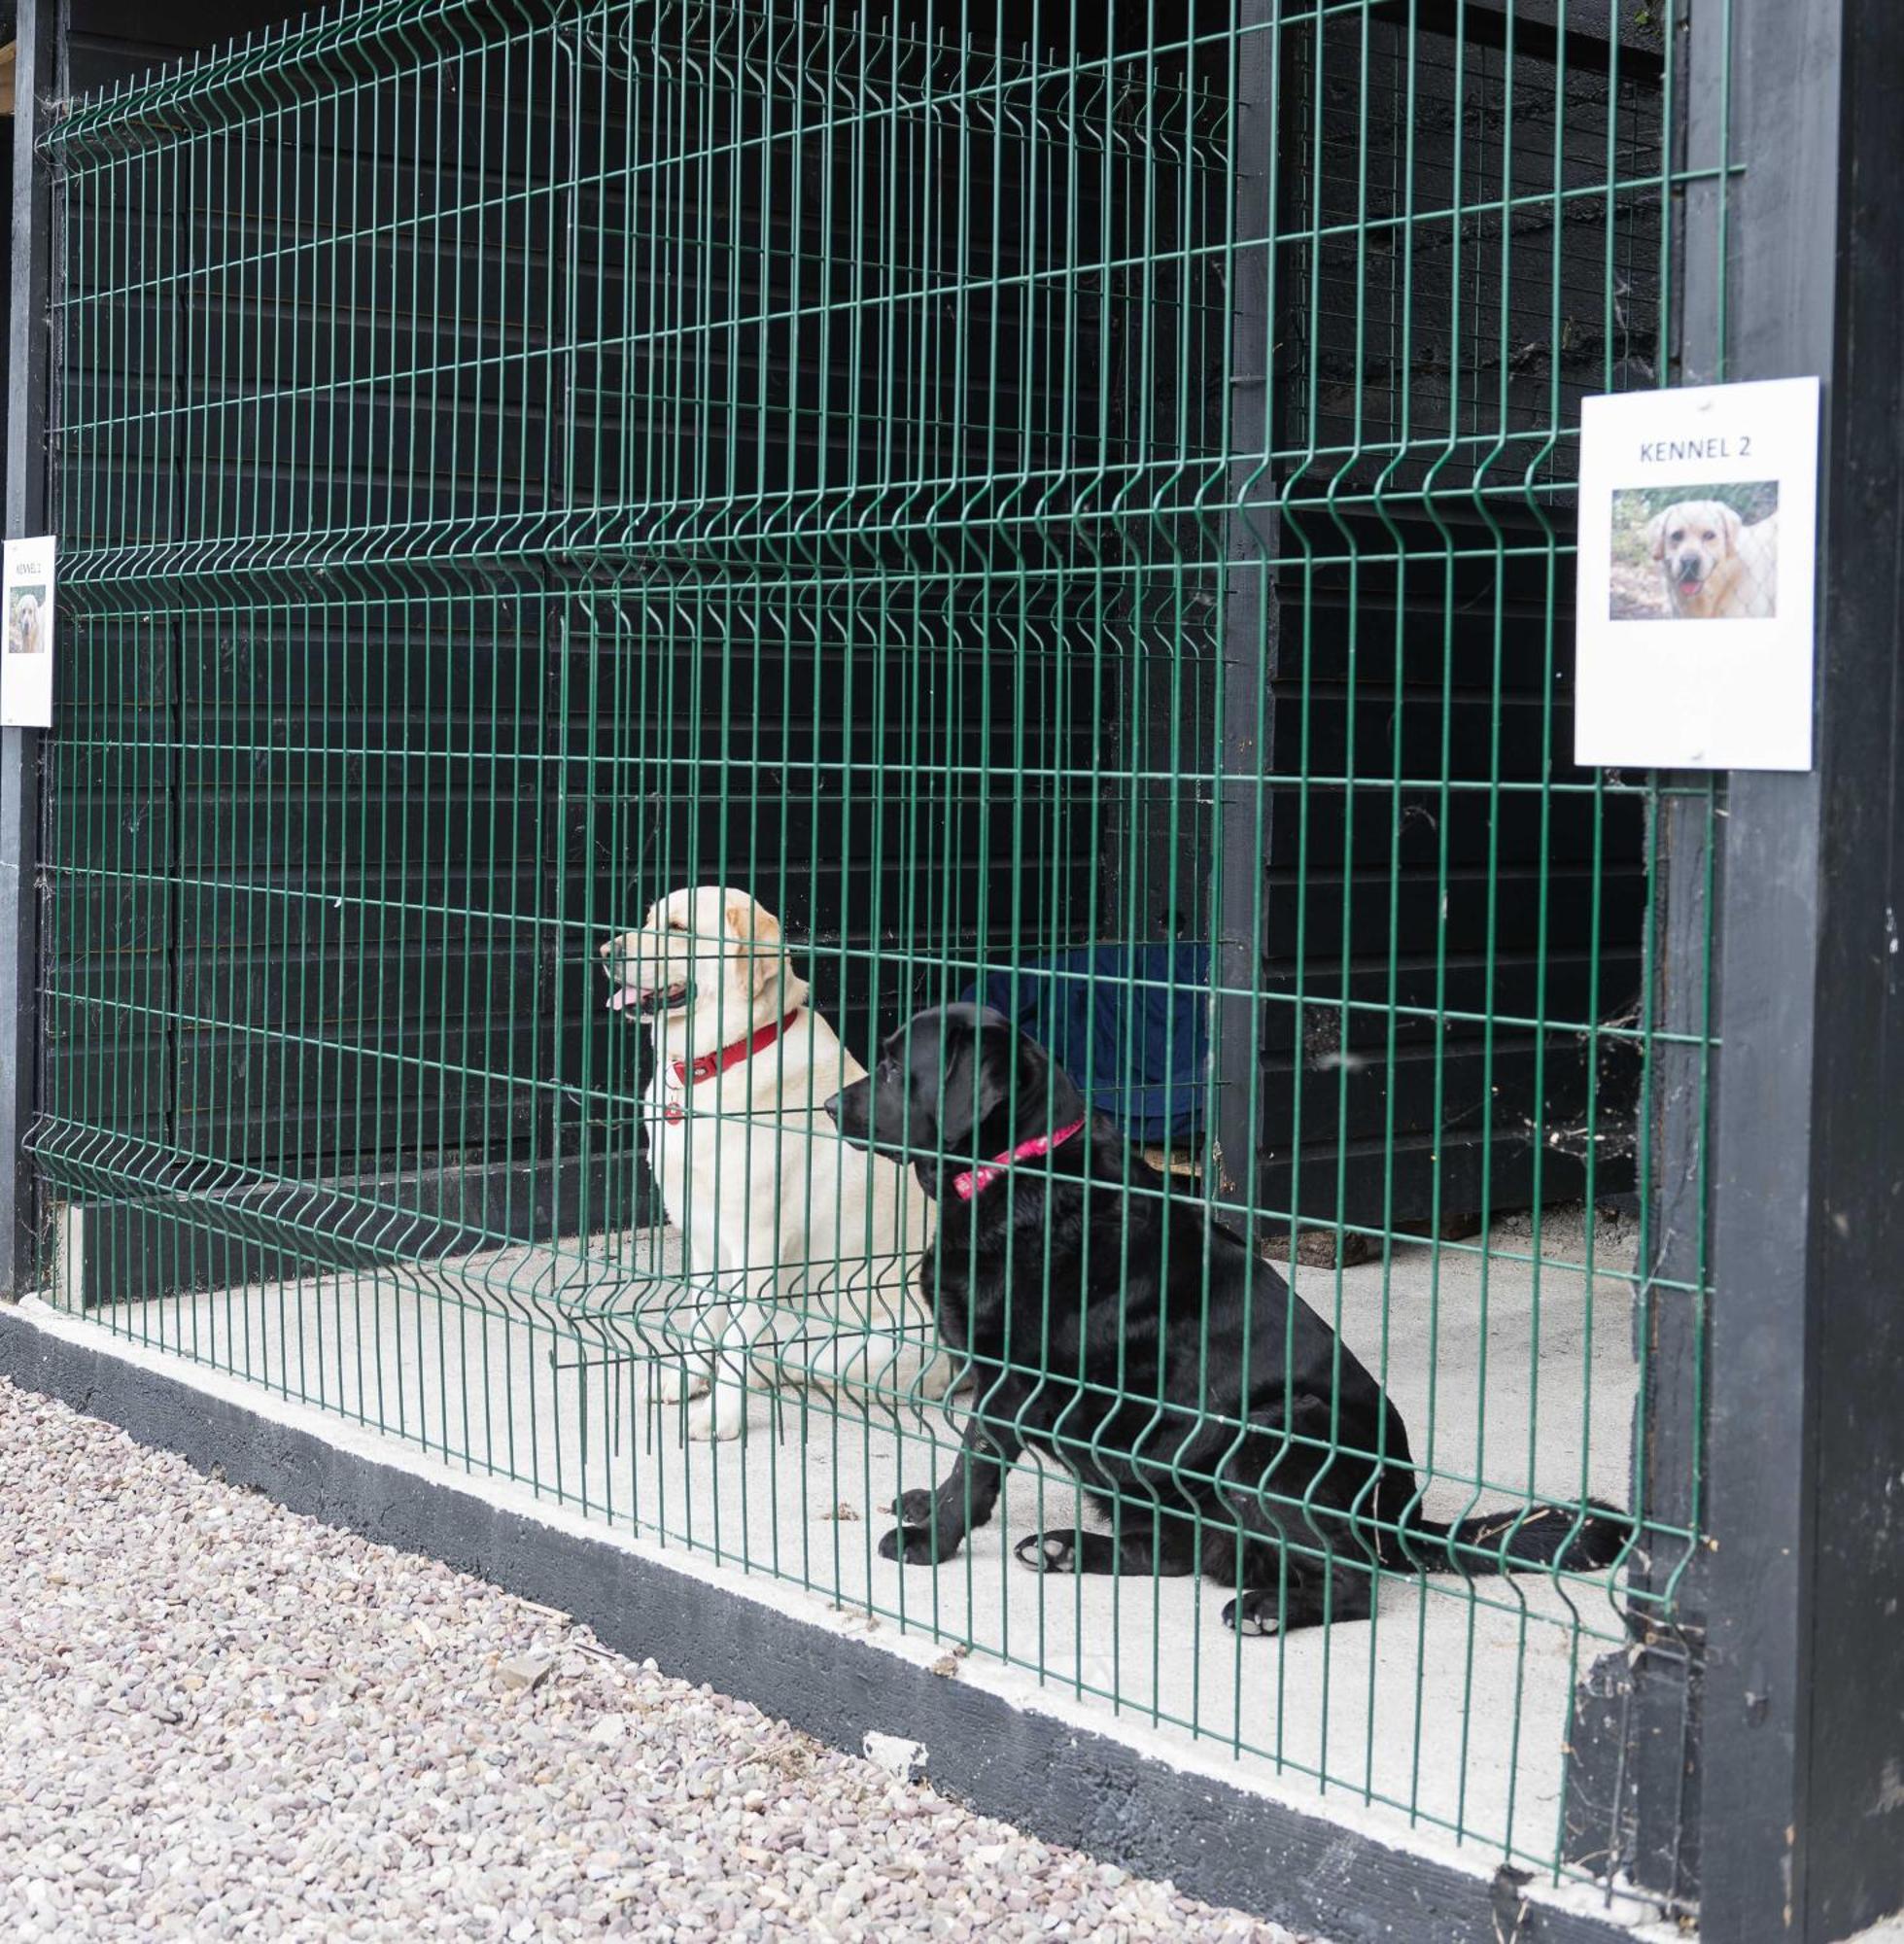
(26,623)
(1695,552)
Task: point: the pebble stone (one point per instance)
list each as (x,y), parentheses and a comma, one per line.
(224,1721)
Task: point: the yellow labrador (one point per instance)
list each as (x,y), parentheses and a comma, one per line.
(811,1246)
(1716,568)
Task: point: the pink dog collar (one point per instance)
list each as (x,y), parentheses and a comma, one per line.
(974,1181)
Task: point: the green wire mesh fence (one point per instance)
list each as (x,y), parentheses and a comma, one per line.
(1070,510)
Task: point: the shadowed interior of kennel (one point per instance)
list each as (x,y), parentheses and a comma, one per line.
(987,531)
(987,500)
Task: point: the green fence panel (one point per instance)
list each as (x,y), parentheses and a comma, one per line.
(1073,509)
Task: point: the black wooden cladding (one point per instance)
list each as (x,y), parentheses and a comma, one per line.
(1430,368)
(609,298)
(353,837)
(1462,268)
(852,416)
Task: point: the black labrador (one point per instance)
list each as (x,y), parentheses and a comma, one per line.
(1217,1419)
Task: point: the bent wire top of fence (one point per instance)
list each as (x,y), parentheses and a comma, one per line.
(1067,514)
(665,130)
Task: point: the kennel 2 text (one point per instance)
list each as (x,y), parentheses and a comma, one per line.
(1664,451)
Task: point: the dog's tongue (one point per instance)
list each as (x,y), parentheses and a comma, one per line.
(618,998)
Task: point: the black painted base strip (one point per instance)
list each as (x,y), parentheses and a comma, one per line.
(1066,1784)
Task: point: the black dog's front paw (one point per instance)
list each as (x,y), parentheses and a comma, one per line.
(1068,1552)
(911,1546)
(914,1507)
(1256,1613)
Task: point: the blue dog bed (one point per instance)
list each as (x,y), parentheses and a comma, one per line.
(1137,1018)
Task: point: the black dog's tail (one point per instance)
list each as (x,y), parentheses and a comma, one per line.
(1586,1538)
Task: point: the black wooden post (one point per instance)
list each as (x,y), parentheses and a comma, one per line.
(1758,1740)
(1802,1806)
(28,369)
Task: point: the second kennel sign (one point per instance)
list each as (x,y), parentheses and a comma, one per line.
(1698,548)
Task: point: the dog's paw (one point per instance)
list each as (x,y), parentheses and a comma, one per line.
(911,1546)
(1254,1614)
(674,1382)
(1067,1552)
(914,1507)
(716,1416)
(1047,1552)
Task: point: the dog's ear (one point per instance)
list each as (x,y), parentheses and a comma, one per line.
(759,932)
(974,1079)
(757,929)
(1053,1098)
(996,1064)
(1731,526)
(1656,534)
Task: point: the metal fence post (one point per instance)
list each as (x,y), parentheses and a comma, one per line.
(1803,1813)
(1247,647)
(28,369)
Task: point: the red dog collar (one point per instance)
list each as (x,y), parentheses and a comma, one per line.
(705,1065)
(974,1181)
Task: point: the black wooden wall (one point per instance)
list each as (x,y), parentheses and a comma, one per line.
(661,599)
(1426,632)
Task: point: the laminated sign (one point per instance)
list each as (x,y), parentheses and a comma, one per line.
(26,665)
(1698,550)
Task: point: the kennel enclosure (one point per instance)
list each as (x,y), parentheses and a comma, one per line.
(1074,509)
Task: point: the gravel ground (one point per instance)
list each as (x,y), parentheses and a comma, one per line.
(221,1720)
